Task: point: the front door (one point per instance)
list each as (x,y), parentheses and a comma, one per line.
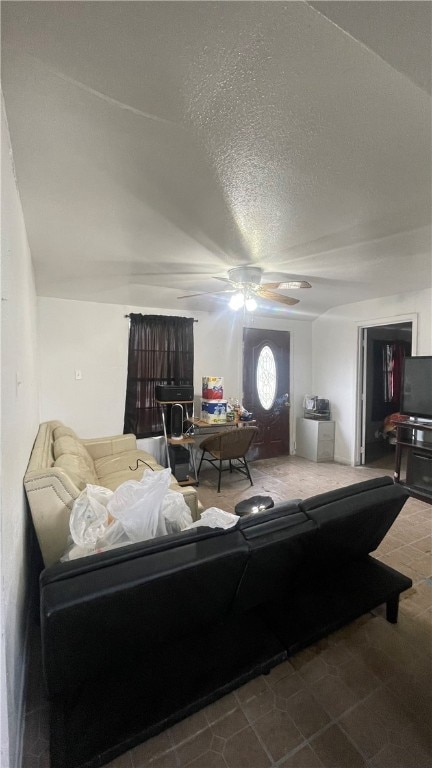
(266,378)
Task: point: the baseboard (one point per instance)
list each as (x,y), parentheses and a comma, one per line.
(342,460)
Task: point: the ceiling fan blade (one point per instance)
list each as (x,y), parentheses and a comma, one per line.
(264,294)
(206,293)
(293,284)
(270,286)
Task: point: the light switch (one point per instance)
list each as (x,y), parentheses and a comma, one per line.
(78,374)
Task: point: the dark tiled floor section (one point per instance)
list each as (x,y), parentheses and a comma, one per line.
(361,697)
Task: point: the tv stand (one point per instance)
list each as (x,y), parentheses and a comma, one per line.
(418,479)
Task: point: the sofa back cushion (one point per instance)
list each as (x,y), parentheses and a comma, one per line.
(322,499)
(281,509)
(353,525)
(278,554)
(82,464)
(76,469)
(107,608)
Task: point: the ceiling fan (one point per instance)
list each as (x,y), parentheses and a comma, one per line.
(246,284)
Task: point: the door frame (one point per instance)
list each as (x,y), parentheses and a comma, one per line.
(361,370)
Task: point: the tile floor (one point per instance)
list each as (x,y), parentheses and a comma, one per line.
(361,697)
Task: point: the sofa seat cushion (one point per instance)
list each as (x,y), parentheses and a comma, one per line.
(113,480)
(122,462)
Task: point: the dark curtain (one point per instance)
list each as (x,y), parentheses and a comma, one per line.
(161,351)
(387,365)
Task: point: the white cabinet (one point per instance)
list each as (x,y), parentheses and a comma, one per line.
(315,439)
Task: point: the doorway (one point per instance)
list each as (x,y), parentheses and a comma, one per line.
(383,350)
(266,389)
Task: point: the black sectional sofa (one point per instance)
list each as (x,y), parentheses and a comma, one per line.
(135,639)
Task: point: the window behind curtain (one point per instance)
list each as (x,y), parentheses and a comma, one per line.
(161,351)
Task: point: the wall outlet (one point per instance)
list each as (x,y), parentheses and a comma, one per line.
(78,374)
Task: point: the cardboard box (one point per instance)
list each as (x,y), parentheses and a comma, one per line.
(212,387)
(214,411)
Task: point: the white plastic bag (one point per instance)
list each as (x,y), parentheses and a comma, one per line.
(137,505)
(213,517)
(137,510)
(176,512)
(99,493)
(89,516)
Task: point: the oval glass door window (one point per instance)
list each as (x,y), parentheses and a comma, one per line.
(266,377)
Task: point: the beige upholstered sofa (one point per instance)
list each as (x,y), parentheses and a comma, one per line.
(61,464)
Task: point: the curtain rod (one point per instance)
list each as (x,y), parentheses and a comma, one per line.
(194,319)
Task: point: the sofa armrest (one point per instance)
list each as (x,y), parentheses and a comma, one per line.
(99,447)
(191,498)
(51,495)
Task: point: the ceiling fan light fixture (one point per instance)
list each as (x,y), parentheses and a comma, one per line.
(245,284)
(237,301)
(251,304)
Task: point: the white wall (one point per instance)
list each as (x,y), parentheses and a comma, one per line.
(335,355)
(19,422)
(93,338)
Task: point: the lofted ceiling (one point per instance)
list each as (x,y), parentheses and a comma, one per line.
(159,144)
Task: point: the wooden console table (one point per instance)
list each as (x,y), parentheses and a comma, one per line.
(418,478)
(201,424)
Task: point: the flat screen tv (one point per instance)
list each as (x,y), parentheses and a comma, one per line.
(417,387)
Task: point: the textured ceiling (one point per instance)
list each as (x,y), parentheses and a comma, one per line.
(158,144)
